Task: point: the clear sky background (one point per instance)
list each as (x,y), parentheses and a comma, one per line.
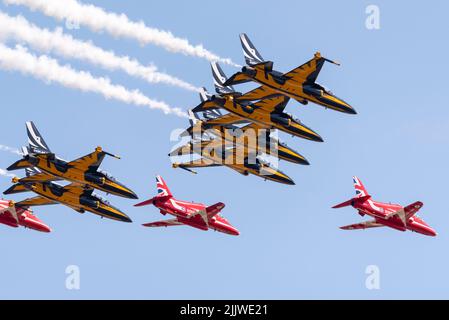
(290,245)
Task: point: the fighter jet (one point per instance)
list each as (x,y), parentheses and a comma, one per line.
(385,215)
(267,113)
(299,84)
(14,216)
(83,171)
(215,153)
(195,215)
(75,196)
(256,139)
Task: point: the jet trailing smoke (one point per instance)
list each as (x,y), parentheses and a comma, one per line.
(21,30)
(118,25)
(49,70)
(5,173)
(9,149)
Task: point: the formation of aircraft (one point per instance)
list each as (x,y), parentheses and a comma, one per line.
(195,215)
(15,215)
(259,110)
(43,168)
(241,139)
(385,214)
(83,171)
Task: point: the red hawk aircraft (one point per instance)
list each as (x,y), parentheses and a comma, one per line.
(196,215)
(385,214)
(15,216)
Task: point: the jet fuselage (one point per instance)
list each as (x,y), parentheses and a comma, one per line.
(79,201)
(380,211)
(194,215)
(300,91)
(50,164)
(270,120)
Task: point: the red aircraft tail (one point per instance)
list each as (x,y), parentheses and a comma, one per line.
(360,189)
(162,192)
(361,194)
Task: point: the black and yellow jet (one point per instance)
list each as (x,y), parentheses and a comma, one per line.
(74,195)
(267,113)
(249,135)
(83,171)
(217,153)
(299,84)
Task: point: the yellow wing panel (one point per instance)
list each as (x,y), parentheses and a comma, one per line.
(259,93)
(36,201)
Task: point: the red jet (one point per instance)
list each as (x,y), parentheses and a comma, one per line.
(15,216)
(384,214)
(196,215)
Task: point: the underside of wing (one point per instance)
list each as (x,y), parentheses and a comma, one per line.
(229,118)
(262,92)
(363,225)
(36,201)
(44,177)
(275,104)
(78,189)
(165,223)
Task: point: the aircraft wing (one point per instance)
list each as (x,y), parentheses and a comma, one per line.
(36,201)
(277,104)
(229,118)
(78,189)
(259,93)
(165,223)
(42,176)
(363,225)
(214,209)
(412,209)
(308,72)
(206,105)
(89,162)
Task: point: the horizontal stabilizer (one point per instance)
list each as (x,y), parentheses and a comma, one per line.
(238,78)
(17,188)
(351,201)
(20,164)
(145,203)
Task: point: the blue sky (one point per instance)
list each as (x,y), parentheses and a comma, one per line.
(290,246)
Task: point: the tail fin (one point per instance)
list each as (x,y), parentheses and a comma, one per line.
(252,56)
(361,194)
(162,192)
(220,79)
(204,95)
(193,119)
(31,171)
(36,143)
(162,188)
(360,189)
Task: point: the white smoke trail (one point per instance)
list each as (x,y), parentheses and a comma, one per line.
(118,25)
(19,29)
(49,70)
(5,173)
(10,150)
